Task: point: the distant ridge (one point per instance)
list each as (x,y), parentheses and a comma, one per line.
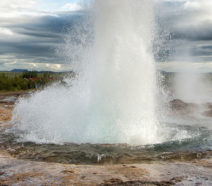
(42,71)
(19,70)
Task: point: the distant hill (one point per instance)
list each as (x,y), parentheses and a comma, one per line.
(19,70)
(40,72)
(25,70)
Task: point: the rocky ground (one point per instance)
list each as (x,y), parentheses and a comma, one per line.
(23,172)
(169,169)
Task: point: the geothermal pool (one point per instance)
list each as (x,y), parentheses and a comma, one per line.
(117,96)
(186,128)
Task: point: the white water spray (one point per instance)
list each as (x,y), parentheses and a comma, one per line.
(112,99)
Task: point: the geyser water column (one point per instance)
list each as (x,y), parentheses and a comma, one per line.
(112,99)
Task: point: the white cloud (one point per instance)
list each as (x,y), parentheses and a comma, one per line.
(191,5)
(187,14)
(14,4)
(198,4)
(201,7)
(6,31)
(13,8)
(176,66)
(71,7)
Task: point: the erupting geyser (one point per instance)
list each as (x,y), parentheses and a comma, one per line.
(112,98)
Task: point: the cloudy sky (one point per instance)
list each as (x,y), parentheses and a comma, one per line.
(32,31)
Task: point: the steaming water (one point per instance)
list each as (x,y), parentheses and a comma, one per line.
(112,98)
(192,86)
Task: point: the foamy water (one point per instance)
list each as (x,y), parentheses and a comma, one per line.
(112,98)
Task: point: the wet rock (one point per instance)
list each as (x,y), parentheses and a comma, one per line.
(208,113)
(10,98)
(185,156)
(177,179)
(118,182)
(182,107)
(112,181)
(68,171)
(178,104)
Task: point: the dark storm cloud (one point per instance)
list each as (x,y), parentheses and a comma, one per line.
(26,48)
(38,39)
(49,24)
(187,29)
(202,51)
(184,22)
(30,51)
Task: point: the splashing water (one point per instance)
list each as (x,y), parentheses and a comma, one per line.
(112,98)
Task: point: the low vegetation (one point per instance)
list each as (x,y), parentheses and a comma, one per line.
(16,81)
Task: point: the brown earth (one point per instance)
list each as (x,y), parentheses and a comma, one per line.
(25,172)
(171,169)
